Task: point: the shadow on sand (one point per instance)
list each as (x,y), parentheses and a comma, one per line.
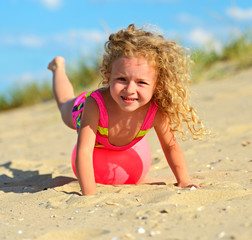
(29,181)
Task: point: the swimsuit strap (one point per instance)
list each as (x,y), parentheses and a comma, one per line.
(147,124)
(103,121)
(102,130)
(150,116)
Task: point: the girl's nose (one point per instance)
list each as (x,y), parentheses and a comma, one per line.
(131,87)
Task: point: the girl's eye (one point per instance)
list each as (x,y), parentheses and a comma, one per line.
(122,79)
(142,83)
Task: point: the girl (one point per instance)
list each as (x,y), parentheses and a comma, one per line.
(143,74)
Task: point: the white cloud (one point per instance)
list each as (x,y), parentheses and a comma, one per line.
(50,4)
(185,18)
(74,36)
(205,39)
(8,40)
(22,78)
(200,36)
(239,14)
(26,77)
(152,1)
(31,41)
(22,40)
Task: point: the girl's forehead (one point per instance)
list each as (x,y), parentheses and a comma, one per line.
(132,62)
(135,67)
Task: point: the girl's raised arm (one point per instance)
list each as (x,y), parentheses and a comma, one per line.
(85,147)
(173,152)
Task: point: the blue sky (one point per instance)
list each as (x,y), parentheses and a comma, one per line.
(32,32)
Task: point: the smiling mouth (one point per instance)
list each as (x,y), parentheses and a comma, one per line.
(127,99)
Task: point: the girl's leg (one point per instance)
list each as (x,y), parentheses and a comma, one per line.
(62,90)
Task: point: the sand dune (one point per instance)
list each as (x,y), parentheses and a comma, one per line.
(40,197)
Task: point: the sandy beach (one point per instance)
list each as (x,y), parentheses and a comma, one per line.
(40,197)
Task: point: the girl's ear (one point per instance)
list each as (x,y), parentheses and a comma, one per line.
(107,77)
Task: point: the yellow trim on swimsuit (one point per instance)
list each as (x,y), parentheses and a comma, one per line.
(142,133)
(89,93)
(99,145)
(102,131)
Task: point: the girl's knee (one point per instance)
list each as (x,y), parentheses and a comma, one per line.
(66,113)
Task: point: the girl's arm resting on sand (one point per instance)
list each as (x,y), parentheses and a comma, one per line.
(173,152)
(85,147)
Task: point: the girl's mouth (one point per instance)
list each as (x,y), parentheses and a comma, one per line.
(128,99)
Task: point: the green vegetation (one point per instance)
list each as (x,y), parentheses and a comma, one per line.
(207,65)
(239,51)
(235,56)
(83,74)
(27,94)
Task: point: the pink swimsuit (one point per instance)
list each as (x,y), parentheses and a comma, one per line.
(102,131)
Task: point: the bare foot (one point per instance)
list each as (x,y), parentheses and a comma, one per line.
(55,63)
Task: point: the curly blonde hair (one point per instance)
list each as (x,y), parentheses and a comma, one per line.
(172,64)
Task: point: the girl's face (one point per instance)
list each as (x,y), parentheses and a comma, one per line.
(132,82)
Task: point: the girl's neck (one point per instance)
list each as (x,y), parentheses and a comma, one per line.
(123,126)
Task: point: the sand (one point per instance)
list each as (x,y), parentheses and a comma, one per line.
(40,197)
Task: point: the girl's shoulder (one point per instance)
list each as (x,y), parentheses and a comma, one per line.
(98,95)
(91,109)
(101,95)
(104,91)
(160,119)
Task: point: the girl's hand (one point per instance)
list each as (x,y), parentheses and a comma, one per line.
(188,185)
